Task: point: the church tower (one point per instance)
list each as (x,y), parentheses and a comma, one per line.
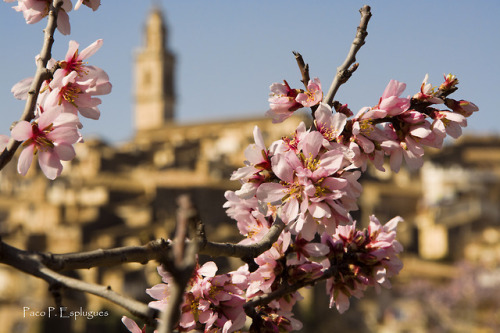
(154,77)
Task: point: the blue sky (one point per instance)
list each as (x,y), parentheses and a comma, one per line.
(229,52)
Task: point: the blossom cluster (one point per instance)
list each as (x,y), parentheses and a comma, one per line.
(284,100)
(70,91)
(212,303)
(398,127)
(309,181)
(372,257)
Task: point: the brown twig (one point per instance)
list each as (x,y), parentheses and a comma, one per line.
(303,67)
(287,289)
(345,70)
(182,265)
(106,257)
(41,74)
(245,252)
(30,263)
(154,250)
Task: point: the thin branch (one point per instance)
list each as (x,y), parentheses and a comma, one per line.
(136,308)
(287,289)
(245,252)
(106,257)
(303,67)
(41,74)
(183,263)
(171,315)
(44,266)
(30,263)
(344,72)
(154,250)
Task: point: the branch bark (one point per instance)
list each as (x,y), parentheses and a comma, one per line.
(303,67)
(46,265)
(345,70)
(182,262)
(287,289)
(245,252)
(31,263)
(154,250)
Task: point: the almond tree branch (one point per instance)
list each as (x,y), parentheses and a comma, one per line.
(31,264)
(245,252)
(154,250)
(303,67)
(106,257)
(183,263)
(45,265)
(136,308)
(41,74)
(287,289)
(343,71)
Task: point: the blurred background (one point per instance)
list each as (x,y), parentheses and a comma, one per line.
(190,81)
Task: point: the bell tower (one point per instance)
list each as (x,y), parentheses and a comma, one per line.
(154,77)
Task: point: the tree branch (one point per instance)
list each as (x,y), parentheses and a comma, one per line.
(303,67)
(45,265)
(287,289)
(344,72)
(136,308)
(245,252)
(154,250)
(183,263)
(106,257)
(31,264)
(41,74)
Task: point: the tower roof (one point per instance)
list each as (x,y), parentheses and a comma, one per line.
(155,29)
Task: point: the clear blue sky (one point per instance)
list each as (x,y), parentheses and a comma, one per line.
(229,52)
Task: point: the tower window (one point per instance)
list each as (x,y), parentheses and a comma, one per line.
(146,78)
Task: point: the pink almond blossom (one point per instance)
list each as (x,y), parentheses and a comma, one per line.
(408,149)
(309,187)
(282,102)
(52,137)
(132,325)
(463,107)
(34,10)
(92,4)
(304,249)
(74,60)
(450,81)
(212,303)
(363,257)
(251,217)
(427,92)
(4,140)
(329,124)
(312,96)
(390,103)
(257,169)
(72,96)
(446,122)
(261,280)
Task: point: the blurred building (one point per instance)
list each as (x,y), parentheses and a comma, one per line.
(117,196)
